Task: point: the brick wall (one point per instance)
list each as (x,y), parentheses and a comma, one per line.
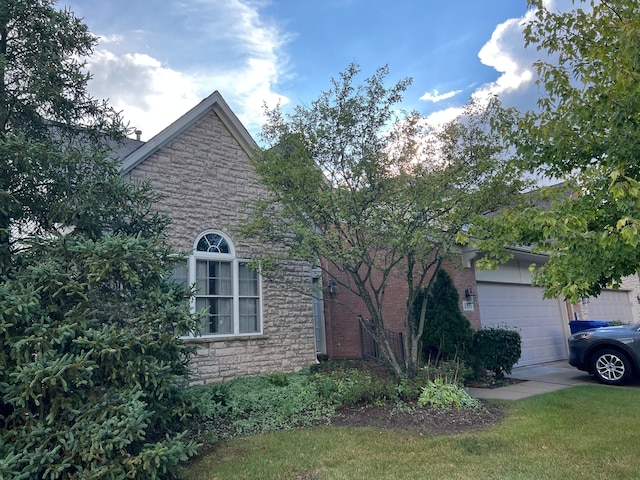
(206,179)
(343,307)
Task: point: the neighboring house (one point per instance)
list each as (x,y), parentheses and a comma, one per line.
(507,298)
(200,166)
(503,297)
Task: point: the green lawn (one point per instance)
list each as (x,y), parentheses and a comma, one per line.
(587,432)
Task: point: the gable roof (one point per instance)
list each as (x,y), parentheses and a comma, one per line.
(213,102)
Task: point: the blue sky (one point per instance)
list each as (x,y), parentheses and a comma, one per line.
(158,58)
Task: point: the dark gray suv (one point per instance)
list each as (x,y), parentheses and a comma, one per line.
(612,354)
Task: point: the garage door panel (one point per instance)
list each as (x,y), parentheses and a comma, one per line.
(523,308)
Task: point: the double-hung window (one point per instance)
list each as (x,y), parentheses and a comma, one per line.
(227,290)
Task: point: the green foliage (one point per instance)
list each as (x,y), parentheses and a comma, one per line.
(451,371)
(93,374)
(583,133)
(446,396)
(497,349)
(250,405)
(53,134)
(447,332)
(373,192)
(278,379)
(258,404)
(454,372)
(542,437)
(283,401)
(348,386)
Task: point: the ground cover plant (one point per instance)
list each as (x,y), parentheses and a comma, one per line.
(327,393)
(576,433)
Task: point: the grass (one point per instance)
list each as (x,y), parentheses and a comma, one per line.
(576,433)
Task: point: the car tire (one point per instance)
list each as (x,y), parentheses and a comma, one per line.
(611,367)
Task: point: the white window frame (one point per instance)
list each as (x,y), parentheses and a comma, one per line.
(235,270)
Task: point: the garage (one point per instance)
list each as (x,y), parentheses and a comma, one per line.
(610,305)
(539,321)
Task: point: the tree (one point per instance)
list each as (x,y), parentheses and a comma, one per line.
(92,373)
(368,194)
(447,332)
(585,134)
(49,124)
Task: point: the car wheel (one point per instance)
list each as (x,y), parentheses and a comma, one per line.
(611,367)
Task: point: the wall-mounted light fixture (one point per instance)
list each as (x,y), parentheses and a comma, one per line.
(332,288)
(638,297)
(584,300)
(470,294)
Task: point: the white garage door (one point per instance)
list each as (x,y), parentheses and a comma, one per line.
(521,307)
(610,305)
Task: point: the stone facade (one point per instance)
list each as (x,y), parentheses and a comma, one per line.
(632,283)
(205,178)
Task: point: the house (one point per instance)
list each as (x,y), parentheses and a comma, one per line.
(503,297)
(506,297)
(200,166)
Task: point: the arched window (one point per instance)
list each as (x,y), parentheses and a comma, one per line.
(212,243)
(226,288)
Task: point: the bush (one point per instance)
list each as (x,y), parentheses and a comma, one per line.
(447,332)
(250,405)
(446,396)
(453,371)
(93,377)
(497,349)
(349,383)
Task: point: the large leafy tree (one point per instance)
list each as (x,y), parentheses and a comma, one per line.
(584,133)
(92,374)
(371,195)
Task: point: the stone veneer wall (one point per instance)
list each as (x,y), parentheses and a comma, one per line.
(206,179)
(632,283)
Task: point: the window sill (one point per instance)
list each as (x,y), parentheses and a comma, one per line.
(228,338)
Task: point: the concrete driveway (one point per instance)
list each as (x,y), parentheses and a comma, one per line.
(543,378)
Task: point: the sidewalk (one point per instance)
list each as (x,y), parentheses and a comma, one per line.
(544,378)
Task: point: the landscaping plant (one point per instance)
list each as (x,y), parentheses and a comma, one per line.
(445,396)
(249,405)
(93,376)
(368,195)
(447,332)
(497,349)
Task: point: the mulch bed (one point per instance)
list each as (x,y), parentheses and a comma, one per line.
(421,421)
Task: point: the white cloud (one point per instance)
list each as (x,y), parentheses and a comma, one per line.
(232,49)
(149,95)
(442,117)
(436,96)
(506,53)
(115,38)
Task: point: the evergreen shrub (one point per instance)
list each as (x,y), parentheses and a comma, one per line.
(447,332)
